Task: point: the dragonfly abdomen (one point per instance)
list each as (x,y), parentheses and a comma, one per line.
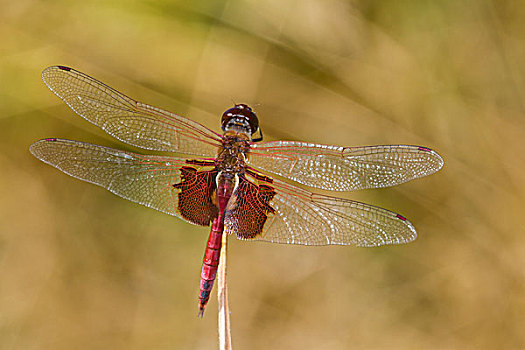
(226,185)
(210,262)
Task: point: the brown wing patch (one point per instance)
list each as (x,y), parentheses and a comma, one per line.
(250,210)
(197,189)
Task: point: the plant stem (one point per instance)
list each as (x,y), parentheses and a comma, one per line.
(222,296)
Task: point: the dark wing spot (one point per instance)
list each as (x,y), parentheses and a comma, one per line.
(401,217)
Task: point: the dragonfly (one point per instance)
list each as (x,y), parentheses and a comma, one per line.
(232,181)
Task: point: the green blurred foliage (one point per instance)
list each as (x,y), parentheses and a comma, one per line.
(84,269)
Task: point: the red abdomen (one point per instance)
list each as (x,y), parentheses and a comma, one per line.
(226,185)
(210,262)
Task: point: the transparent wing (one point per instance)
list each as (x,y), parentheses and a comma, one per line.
(302,217)
(344,168)
(147,180)
(130,121)
(298,216)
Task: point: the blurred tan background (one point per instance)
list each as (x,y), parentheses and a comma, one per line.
(83,269)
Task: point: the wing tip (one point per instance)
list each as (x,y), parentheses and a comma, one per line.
(437,157)
(408,235)
(47,73)
(36,148)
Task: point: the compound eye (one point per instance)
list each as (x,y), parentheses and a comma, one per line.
(241,111)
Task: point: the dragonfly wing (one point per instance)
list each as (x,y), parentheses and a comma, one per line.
(166,184)
(130,121)
(344,168)
(282,213)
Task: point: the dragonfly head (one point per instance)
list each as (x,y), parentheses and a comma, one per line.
(241,118)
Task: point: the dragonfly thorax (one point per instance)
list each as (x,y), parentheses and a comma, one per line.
(231,157)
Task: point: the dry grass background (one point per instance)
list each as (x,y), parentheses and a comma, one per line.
(83,269)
